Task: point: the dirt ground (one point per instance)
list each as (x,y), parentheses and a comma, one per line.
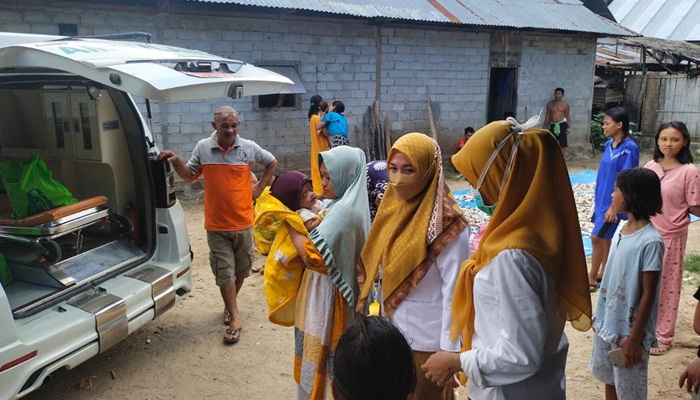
(181,355)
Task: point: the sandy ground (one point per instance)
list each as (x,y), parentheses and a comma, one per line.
(181,355)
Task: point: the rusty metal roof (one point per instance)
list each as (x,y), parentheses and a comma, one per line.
(559,15)
(626,53)
(612,53)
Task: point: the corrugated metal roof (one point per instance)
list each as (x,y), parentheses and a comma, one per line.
(665,19)
(627,51)
(679,47)
(563,15)
(611,53)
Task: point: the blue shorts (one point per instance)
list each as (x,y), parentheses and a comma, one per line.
(602,229)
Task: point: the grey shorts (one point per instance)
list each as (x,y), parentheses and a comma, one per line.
(231,255)
(630,383)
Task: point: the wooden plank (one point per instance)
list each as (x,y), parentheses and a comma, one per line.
(632,90)
(651,104)
(679,99)
(387,136)
(694,119)
(433,130)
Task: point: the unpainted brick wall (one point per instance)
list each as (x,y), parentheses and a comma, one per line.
(549,62)
(338,61)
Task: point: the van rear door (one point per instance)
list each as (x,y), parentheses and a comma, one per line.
(151,71)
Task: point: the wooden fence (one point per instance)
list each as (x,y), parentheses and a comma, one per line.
(656,98)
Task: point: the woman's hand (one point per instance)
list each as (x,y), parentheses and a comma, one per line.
(441,368)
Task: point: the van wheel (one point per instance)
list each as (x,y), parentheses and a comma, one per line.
(49,249)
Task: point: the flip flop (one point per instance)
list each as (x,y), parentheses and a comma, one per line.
(593,287)
(232,336)
(661,350)
(227,318)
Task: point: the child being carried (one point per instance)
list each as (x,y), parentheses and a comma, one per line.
(311,211)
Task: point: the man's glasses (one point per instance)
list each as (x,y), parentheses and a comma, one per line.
(226,114)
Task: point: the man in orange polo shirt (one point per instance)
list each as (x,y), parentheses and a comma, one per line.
(224,159)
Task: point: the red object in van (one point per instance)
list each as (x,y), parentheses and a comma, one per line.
(133,215)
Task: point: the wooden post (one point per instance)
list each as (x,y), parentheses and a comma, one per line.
(387,136)
(433,130)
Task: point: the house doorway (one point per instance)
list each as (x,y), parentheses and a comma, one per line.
(502,92)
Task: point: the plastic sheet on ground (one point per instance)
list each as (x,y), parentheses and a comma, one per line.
(583,184)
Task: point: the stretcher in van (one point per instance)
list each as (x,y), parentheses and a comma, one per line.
(40,230)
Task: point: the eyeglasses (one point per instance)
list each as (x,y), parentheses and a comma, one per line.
(227,114)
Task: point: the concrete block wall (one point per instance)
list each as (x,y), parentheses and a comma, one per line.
(550,61)
(337,60)
(331,60)
(334,60)
(452,65)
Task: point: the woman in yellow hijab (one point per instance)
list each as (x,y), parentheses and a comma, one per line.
(416,244)
(528,275)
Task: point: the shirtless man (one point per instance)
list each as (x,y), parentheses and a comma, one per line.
(558,119)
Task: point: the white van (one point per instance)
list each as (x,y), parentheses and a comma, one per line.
(86,275)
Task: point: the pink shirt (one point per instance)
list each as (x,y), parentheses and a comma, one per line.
(680,189)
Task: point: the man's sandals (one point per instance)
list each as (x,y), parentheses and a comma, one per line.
(232,335)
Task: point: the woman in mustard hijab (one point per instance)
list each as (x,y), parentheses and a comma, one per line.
(528,275)
(417,242)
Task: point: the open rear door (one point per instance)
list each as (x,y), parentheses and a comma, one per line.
(151,71)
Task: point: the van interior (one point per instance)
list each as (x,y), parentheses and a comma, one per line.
(74,125)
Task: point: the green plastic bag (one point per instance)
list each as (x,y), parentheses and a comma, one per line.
(5,273)
(30,187)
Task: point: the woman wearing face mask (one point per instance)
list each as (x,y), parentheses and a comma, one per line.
(415,246)
(528,275)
